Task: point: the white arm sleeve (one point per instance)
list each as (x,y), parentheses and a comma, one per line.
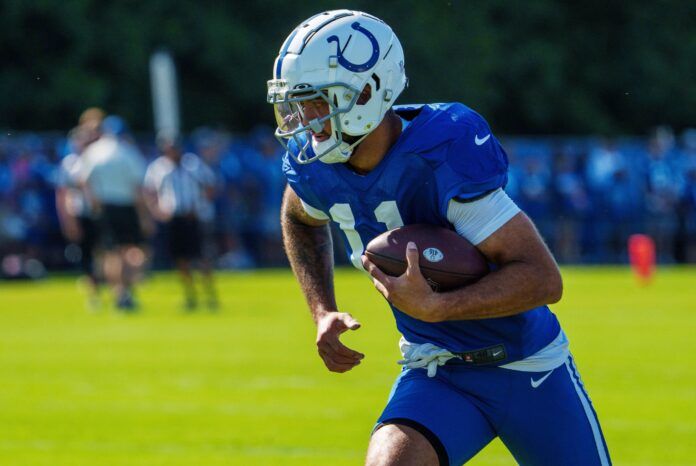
(314,212)
(152,180)
(479,219)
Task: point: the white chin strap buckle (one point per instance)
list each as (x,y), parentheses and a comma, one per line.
(338,154)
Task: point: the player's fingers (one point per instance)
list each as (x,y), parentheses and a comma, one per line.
(334,346)
(381,280)
(341,368)
(350,321)
(412,259)
(339,348)
(329,341)
(340,358)
(365,262)
(335,366)
(343,322)
(373,270)
(381,288)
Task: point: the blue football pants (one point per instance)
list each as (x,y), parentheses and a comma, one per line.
(543,418)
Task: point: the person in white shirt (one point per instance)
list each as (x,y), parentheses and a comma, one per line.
(178,191)
(74,210)
(112,176)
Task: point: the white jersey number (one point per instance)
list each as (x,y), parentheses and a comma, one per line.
(387,212)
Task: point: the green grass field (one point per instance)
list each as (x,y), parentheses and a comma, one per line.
(245,387)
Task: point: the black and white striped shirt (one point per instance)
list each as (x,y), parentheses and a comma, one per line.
(181,188)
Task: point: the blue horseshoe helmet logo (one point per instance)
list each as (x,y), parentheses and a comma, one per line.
(357,68)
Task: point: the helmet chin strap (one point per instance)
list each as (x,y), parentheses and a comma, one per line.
(339,154)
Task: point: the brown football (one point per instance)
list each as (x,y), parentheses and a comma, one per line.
(447,260)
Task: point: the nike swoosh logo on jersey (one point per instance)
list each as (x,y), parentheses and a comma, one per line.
(482,140)
(536,383)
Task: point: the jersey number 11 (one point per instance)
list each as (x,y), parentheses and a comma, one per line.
(387,212)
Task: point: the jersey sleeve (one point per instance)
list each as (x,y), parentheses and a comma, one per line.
(314,213)
(478,219)
(475,164)
(300,184)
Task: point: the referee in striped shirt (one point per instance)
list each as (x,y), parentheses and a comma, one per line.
(178,189)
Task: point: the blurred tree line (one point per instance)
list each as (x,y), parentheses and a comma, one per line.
(539,66)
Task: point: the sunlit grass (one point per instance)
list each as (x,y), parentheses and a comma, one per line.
(244,386)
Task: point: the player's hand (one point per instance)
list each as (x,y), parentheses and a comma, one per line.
(409,292)
(336,356)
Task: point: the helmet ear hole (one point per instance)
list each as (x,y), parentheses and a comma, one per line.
(365,95)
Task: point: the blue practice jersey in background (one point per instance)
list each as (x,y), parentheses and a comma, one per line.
(446,151)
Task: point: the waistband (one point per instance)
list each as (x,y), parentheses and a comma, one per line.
(491,355)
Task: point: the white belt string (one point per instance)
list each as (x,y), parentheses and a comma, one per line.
(424,355)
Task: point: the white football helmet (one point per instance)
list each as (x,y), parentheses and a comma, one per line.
(333,56)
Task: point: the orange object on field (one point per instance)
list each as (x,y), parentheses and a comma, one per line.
(641,253)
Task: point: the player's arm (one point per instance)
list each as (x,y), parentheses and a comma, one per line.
(309,248)
(85,178)
(150,199)
(68,223)
(150,196)
(145,220)
(526,276)
(138,170)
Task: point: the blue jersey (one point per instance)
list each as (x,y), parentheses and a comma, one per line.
(446,151)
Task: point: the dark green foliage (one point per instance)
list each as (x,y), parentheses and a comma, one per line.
(543,66)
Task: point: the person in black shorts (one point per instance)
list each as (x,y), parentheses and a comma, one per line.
(112,176)
(178,187)
(184,237)
(119,226)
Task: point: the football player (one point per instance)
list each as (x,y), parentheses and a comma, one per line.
(488,360)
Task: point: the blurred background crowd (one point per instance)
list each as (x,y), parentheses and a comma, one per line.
(540,68)
(586,194)
(246,200)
